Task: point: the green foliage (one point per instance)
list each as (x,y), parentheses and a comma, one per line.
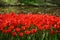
(31,2)
(9,2)
(54,2)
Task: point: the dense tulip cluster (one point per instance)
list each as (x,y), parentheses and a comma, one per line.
(26,24)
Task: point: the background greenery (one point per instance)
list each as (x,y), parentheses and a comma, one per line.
(31,6)
(31,2)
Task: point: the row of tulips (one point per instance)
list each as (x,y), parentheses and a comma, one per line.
(29,27)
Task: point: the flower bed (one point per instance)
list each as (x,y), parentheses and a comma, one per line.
(29,27)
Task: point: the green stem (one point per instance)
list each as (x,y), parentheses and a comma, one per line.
(55,37)
(46,35)
(43,36)
(1,36)
(12,38)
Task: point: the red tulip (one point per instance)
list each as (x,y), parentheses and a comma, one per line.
(55,26)
(4,31)
(33,31)
(13,33)
(21,34)
(17,29)
(46,27)
(9,30)
(27,32)
(23,28)
(52,32)
(11,27)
